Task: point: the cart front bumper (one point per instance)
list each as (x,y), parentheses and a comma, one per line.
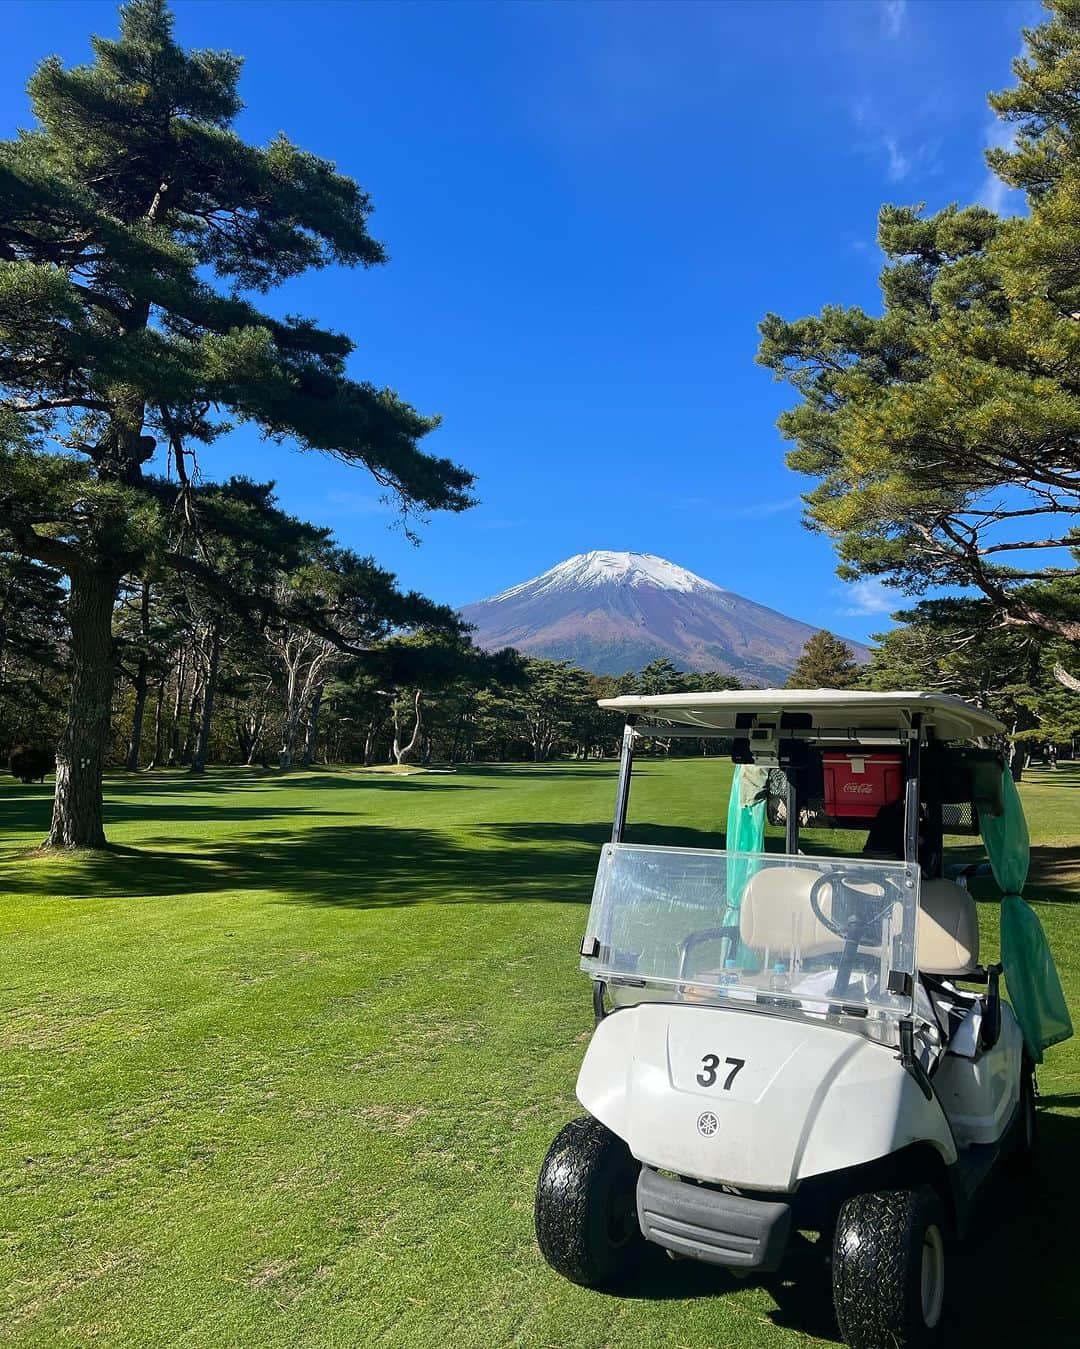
(703,1224)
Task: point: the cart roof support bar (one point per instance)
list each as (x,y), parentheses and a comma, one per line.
(856,735)
(791,809)
(911,792)
(622,791)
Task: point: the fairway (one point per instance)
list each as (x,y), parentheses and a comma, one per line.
(281,1068)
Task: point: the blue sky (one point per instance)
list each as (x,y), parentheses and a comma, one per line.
(588,209)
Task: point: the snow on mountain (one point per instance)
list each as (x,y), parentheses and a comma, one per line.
(611,612)
(595,569)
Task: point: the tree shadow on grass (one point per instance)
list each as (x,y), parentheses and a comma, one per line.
(360,864)
(228,784)
(31,816)
(352,866)
(597,769)
(1014,1273)
(1053,874)
(27,809)
(1018,1269)
(1042,775)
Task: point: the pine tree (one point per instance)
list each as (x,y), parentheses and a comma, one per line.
(32,651)
(955,646)
(945,432)
(661,676)
(825,663)
(136,232)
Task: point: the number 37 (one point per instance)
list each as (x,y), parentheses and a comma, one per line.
(709,1065)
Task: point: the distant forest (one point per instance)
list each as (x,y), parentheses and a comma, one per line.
(199,684)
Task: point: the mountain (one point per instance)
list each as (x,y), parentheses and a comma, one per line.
(612,612)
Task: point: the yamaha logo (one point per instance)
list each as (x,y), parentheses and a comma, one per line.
(707,1124)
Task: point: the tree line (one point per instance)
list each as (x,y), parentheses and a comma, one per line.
(198,682)
(954,647)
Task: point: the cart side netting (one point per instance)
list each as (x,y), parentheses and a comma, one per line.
(1030,973)
(800,934)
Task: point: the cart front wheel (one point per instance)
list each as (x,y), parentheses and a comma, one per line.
(586,1206)
(889,1269)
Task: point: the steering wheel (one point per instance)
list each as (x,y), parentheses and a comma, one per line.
(855,914)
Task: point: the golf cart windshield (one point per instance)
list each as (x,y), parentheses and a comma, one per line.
(798,936)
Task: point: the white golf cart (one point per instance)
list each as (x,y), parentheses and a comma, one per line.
(783,1043)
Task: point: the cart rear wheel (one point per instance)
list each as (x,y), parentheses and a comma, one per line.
(586,1206)
(890,1263)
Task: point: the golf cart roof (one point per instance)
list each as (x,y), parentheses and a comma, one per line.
(840,709)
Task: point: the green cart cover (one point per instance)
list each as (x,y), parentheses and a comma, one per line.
(1030,973)
(745,831)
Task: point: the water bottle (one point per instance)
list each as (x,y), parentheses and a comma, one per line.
(730,976)
(779,983)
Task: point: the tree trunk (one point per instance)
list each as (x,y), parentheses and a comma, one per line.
(77,803)
(254,734)
(402,753)
(291,723)
(312,734)
(193,716)
(157,725)
(202,748)
(369,742)
(1017,761)
(141,684)
(178,702)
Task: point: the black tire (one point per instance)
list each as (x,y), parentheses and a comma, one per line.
(878,1269)
(586,1206)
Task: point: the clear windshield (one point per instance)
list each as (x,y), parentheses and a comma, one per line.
(796,935)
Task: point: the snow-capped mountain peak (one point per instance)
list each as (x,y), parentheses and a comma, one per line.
(612,612)
(588,570)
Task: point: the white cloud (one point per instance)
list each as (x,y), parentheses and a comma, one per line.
(904,160)
(879,138)
(499,522)
(894,16)
(899,162)
(751,510)
(759,510)
(356,503)
(869,597)
(896,121)
(994,194)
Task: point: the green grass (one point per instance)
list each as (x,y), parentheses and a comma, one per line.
(280,1070)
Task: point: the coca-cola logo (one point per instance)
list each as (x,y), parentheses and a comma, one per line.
(859,788)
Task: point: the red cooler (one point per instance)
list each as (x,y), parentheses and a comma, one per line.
(858,785)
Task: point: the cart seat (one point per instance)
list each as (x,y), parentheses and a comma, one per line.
(776,913)
(948,939)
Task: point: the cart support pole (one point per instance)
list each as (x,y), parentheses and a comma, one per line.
(791,811)
(911,792)
(622,792)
